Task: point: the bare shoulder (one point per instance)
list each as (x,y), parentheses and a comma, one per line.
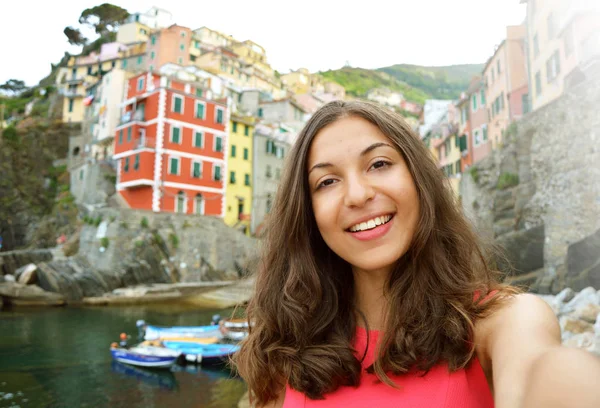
(520,315)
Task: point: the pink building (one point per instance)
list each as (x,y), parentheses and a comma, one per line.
(478,115)
(506,88)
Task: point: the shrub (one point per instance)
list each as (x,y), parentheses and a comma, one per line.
(139,243)
(104,242)
(124,225)
(144,222)
(98,220)
(474,173)
(158,239)
(507,180)
(174,240)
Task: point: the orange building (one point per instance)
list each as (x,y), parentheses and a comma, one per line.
(171,44)
(170,147)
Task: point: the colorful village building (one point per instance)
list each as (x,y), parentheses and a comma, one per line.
(239,163)
(170,147)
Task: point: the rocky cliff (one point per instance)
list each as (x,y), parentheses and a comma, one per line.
(119,248)
(538,196)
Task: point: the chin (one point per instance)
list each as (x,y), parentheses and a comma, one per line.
(378,259)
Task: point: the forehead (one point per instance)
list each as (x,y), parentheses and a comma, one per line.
(345,137)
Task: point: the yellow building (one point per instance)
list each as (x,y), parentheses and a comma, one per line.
(238,196)
(133,32)
(299,82)
(253,54)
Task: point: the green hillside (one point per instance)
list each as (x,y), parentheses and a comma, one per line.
(439,82)
(416,83)
(358,81)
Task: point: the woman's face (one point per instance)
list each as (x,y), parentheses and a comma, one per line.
(363,196)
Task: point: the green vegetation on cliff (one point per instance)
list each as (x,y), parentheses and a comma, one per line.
(416,83)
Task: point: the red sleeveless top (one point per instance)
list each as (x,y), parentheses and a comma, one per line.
(467,388)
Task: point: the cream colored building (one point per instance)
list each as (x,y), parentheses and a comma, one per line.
(133,33)
(563,36)
(212,37)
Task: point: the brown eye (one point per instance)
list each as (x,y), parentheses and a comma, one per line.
(325,183)
(379,164)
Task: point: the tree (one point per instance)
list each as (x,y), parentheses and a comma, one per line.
(14,86)
(104,18)
(75,37)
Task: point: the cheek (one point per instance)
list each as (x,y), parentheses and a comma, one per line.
(324,215)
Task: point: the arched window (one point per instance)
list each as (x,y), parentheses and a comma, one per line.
(199,204)
(180,206)
(76,151)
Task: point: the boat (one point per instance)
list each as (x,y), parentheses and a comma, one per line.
(234,329)
(145,356)
(157,332)
(205,354)
(196,340)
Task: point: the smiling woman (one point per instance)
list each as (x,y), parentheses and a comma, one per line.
(373,290)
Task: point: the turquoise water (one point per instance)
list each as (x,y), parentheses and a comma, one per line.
(59,358)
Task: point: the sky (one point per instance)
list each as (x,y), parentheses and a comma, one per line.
(314,34)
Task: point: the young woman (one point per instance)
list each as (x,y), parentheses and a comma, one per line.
(373,290)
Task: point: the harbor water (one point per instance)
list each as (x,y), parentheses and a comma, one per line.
(59,358)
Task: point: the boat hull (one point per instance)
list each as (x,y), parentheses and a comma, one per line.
(143,360)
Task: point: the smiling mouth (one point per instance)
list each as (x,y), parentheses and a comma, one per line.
(371,224)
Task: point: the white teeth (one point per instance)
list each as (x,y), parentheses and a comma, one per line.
(371,223)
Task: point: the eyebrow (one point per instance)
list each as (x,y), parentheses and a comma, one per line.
(363,153)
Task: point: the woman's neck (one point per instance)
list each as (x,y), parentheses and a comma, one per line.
(370,299)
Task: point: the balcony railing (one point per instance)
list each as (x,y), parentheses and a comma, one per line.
(71,93)
(145,143)
(132,116)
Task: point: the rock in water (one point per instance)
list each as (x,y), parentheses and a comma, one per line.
(9,278)
(27,274)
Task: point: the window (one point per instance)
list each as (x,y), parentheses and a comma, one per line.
(477,137)
(525,103)
(232,177)
(196,169)
(279,152)
(498,67)
(151,68)
(89,71)
(129,134)
(551,26)
(120,136)
(247,179)
(199,110)
(277,174)
(182,47)
(152,55)
(174,165)
(553,66)
(217,173)
(177,104)
(180,205)
(268,174)
(140,83)
(199,92)
(246,130)
(153,40)
(126,166)
(536,46)
(199,204)
(234,129)
(233,150)
(218,144)
(484,133)
(183,34)
(482,96)
(71,102)
(81,174)
(219,116)
(502,101)
(269,203)
(136,163)
(464,115)
(260,112)
(198,139)
(139,60)
(175,135)
(112,64)
(474,98)
(538,84)
(124,64)
(270,147)
(245,153)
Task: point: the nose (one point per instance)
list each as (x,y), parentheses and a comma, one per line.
(358,191)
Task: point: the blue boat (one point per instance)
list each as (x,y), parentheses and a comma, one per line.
(156,332)
(203,353)
(150,357)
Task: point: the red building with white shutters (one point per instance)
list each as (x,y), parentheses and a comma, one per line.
(170,147)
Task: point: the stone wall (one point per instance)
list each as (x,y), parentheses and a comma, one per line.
(554,152)
(10,261)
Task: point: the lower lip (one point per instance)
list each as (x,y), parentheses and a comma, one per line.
(374,233)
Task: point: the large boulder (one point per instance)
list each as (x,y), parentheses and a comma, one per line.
(26,275)
(524,249)
(583,263)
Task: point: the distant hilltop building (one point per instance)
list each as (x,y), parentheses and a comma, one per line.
(385,96)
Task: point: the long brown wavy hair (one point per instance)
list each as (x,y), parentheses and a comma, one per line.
(303,310)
